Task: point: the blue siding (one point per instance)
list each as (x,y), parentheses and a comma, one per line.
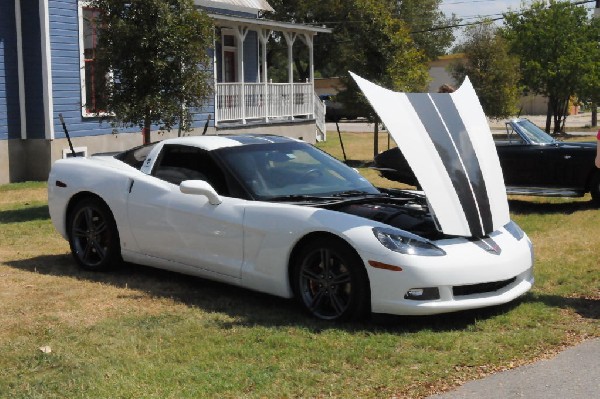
(10,122)
(32,63)
(66,91)
(251,57)
(251,61)
(66,81)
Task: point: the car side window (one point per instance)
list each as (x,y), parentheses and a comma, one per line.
(177,163)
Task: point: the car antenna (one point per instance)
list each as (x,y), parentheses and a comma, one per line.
(67,134)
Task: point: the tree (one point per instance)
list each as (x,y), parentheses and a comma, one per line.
(427,25)
(492,70)
(355,24)
(156,52)
(309,12)
(377,45)
(369,39)
(559,52)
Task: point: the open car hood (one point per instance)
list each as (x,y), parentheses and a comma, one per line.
(446,140)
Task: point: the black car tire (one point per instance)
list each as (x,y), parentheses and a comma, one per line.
(93,235)
(329,280)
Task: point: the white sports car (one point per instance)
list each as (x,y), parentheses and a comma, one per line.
(277,215)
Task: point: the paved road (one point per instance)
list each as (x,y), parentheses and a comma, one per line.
(572,374)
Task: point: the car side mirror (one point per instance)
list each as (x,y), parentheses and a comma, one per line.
(200,187)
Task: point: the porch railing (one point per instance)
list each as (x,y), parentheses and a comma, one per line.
(244,101)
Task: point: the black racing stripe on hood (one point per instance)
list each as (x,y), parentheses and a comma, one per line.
(458,131)
(442,140)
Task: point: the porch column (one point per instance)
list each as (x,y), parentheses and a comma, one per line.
(46,70)
(240,36)
(215,77)
(308,40)
(290,38)
(263,36)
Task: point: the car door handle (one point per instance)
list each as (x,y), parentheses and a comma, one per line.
(567,157)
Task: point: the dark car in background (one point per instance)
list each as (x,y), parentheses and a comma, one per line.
(335,110)
(533,163)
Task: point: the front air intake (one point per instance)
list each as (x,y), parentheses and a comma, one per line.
(463,290)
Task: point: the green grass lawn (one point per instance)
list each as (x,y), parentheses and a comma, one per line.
(141,332)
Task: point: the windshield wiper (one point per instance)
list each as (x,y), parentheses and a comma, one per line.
(341,196)
(299,197)
(358,193)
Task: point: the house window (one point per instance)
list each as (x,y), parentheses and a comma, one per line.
(92,78)
(229,57)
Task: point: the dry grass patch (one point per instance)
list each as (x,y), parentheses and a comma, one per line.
(23,193)
(141,332)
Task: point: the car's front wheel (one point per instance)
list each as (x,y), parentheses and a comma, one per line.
(329,280)
(93,235)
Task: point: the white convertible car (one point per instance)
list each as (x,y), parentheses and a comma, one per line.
(277,215)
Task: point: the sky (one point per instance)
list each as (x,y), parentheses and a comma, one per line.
(473,10)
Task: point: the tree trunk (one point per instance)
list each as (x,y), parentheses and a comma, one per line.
(146,129)
(549,116)
(594,115)
(302,72)
(564,115)
(376,137)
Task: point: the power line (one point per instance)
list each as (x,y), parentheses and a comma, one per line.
(478,18)
(460,25)
(467,2)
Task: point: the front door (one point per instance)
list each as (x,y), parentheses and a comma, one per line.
(185,228)
(229,74)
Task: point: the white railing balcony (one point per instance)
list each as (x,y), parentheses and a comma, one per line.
(240,102)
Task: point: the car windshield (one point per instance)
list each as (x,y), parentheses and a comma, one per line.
(292,170)
(534,134)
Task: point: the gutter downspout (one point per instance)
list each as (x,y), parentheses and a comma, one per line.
(20,71)
(46,70)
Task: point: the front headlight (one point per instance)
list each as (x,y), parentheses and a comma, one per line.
(406,243)
(515,230)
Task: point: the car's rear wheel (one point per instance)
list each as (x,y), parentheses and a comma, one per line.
(329,280)
(93,235)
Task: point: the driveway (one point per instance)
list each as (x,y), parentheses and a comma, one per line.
(572,374)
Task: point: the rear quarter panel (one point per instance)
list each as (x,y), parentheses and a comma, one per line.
(104,177)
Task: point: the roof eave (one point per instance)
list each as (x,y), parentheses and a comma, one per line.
(222,19)
(237,5)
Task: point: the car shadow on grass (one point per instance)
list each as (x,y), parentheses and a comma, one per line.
(25,214)
(520,207)
(588,308)
(249,308)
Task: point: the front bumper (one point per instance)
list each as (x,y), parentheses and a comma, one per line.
(467,277)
